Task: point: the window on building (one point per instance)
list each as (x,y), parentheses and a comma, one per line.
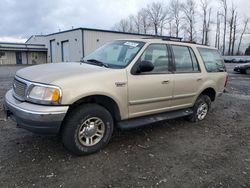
(2,54)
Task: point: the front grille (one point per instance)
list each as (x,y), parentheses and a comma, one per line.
(19,89)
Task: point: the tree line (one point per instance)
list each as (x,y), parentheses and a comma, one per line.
(220,25)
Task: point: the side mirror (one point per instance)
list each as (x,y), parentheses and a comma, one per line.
(145,66)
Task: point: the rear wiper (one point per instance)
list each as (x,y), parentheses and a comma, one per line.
(97,62)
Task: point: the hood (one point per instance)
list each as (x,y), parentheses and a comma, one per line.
(48,73)
(243,65)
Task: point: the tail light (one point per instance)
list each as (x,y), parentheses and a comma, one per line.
(226,81)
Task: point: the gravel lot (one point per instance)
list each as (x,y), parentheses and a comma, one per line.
(176,153)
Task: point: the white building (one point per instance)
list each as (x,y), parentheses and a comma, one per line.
(19,53)
(65,46)
(72,45)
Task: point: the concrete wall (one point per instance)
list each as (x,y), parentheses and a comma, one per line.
(9,57)
(34,57)
(95,39)
(27,57)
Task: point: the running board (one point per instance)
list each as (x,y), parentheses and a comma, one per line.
(142,121)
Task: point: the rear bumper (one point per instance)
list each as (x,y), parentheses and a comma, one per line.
(35,118)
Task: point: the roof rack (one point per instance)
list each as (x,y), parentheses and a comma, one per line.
(177,39)
(164,38)
(191,42)
(172,38)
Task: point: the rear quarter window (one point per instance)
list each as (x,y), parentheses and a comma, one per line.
(212,59)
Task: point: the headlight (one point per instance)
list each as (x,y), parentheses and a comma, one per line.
(44,94)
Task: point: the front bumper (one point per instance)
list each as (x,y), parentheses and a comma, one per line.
(236,69)
(35,118)
(239,69)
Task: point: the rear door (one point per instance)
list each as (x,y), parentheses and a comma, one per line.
(187,77)
(151,92)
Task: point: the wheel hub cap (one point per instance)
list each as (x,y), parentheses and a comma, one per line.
(202,111)
(91,131)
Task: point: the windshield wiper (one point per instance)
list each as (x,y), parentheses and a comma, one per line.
(220,67)
(97,62)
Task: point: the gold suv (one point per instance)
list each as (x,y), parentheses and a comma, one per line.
(125,84)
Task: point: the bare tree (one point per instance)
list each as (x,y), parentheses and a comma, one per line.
(246,21)
(144,20)
(122,25)
(179,16)
(189,11)
(224,4)
(170,27)
(131,24)
(234,33)
(206,21)
(217,37)
(208,27)
(137,22)
(204,5)
(231,25)
(156,14)
(175,11)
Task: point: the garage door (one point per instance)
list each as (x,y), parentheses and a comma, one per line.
(65,51)
(53,51)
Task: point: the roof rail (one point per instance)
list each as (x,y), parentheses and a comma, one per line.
(164,38)
(171,38)
(191,42)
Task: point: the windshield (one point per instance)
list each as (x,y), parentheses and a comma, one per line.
(116,54)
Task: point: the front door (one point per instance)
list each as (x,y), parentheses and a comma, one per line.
(151,92)
(18,58)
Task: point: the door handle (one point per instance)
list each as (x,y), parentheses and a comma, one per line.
(199,79)
(165,82)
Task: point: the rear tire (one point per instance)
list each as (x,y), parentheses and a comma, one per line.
(87,129)
(200,108)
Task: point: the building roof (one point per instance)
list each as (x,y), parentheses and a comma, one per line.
(6,46)
(102,30)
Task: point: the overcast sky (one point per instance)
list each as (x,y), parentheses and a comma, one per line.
(22,18)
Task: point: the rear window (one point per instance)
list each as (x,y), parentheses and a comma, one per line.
(212,59)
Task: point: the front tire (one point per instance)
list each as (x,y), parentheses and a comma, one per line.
(200,108)
(248,71)
(87,129)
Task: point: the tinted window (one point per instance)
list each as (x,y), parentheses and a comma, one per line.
(212,60)
(185,60)
(158,55)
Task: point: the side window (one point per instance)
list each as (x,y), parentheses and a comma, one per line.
(194,60)
(212,60)
(185,60)
(158,55)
